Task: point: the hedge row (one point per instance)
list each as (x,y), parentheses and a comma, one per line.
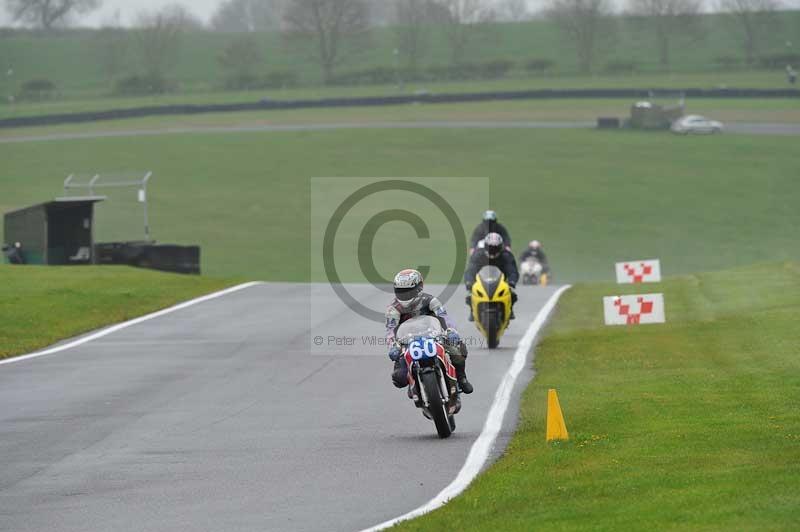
(41,89)
(496,69)
(772,61)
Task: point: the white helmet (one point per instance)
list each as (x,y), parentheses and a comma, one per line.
(489,216)
(493,244)
(534,244)
(407,287)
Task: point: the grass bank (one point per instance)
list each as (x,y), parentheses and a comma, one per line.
(592,197)
(41,305)
(691,425)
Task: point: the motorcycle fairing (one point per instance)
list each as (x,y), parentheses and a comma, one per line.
(490,277)
(443,357)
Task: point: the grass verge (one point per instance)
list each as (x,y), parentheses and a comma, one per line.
(41,305)
(689,425)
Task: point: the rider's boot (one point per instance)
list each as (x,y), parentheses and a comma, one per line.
(469,308)
(513,301)
(399,378)
(461,375)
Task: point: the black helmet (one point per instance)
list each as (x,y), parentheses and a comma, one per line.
(493,244)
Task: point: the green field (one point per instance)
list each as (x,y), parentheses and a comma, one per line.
(707,80)
(592,197)
(692,425)
(70,59)
(41,305)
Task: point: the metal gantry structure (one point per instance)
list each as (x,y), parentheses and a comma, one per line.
(97,182)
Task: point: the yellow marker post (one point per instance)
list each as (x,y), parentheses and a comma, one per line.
(556,428)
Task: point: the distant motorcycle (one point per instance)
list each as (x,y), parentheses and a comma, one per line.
(431,376)
(532,272)
(491,304)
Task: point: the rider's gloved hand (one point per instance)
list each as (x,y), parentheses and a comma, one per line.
(453,338)
(394,353)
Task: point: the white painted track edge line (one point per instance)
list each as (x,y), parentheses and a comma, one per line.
(114,328)
(480,450)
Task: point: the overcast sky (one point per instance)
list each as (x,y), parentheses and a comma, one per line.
(204,8)
(129,8)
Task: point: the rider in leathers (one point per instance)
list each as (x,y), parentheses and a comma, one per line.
(489,225)
(410,301)
(494,253)
(535,250)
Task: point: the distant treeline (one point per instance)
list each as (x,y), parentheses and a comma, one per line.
(170,50)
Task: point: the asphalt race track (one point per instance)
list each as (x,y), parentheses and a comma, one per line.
(225,415)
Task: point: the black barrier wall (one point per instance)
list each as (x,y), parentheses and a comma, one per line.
(165,257)
(267,105)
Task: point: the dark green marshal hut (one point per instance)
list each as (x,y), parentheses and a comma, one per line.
(57,232)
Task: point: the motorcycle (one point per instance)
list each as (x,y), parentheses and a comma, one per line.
(531,271)
(491,304)
(432,381)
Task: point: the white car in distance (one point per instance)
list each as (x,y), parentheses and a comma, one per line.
(696,124)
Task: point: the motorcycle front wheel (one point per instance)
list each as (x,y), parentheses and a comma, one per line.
(436,407)
(492,327)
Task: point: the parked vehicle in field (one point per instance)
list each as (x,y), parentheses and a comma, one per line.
(696,124)
(651,115)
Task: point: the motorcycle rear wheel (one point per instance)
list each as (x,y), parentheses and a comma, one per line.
(437,408)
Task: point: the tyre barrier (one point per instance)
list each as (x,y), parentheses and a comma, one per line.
(606,122)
